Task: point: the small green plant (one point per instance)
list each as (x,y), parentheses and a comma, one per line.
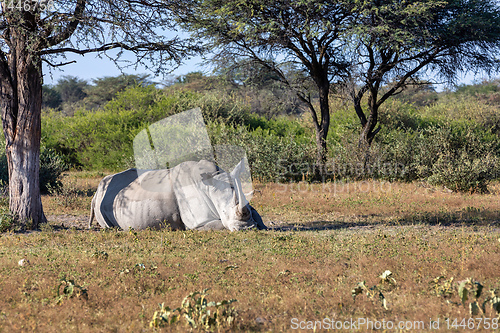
(103,255)
(69,289)
(46,227)
(470,294)
(198,313)
(442,287)
(387,283)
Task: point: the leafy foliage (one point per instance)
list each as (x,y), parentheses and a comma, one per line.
(387,283)
(198,313)
(67,288)
(51,97)
(469,293)
(7,221)
(71,89)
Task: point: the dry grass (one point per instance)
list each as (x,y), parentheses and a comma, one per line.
(75,196)
(305,272)
(373,202)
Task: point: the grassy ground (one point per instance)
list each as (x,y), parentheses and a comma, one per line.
(323,243)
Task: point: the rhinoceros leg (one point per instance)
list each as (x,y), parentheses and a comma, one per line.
(92,214)
(258,220)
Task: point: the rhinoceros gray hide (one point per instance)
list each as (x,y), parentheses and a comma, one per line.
(192,195)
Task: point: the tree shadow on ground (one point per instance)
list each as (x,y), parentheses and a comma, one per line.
(472,217)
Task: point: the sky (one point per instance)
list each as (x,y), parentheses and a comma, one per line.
(91,67)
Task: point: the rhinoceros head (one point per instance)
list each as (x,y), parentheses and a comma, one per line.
(226,194)
(208,195)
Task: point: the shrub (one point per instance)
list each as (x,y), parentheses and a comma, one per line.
(52,166)
(272,157)
(7,221)
(198,312)
(457,156)
(397,115)
(459,171)
(464,160)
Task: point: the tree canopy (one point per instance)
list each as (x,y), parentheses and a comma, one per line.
(394,43)
(302,33)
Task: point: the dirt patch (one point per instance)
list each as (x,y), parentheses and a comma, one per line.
(69,221)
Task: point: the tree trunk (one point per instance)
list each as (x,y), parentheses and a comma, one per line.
(322,126)
(21,118)
(368,133)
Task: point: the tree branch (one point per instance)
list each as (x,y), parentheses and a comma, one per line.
(70,28)
(402,81)
(60,64)
(109,46)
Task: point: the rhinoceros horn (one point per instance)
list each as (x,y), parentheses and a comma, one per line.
(236,175)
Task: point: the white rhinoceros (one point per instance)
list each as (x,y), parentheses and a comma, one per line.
(192,195)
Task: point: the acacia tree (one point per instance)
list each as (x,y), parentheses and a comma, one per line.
(272,33)
(35,31)
(393,42)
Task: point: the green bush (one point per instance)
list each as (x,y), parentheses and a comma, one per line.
(459,171)
(52,166)
(457,156)
(397,115)
(464,160)
(272,157)
(7,221)
(475,111)
(103,139)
